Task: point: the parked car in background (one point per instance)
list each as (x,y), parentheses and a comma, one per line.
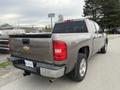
(4,38)
(106,31)
(112,30)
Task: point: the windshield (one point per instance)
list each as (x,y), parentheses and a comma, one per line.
(70,27)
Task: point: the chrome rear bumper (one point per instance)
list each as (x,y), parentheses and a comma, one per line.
(43,69)
(52,73)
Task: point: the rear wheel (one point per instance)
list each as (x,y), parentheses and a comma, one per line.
(80,69)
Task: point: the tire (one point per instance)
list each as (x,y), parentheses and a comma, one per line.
(104,49)
(77,74)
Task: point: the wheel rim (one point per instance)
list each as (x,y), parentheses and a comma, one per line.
(83,67)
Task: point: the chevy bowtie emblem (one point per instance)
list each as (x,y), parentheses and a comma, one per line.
(26,48)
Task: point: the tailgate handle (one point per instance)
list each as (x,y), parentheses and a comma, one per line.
(26,41)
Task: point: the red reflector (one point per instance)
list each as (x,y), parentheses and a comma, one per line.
(59,50)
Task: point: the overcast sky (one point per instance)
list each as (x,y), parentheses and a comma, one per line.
(35,12)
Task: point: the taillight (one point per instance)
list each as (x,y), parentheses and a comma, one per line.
(59,50)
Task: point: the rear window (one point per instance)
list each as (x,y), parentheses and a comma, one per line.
(70,27)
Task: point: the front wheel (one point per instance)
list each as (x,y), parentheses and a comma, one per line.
(104,49)
(80,69)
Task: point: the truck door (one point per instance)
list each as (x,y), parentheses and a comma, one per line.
(100,36)
(95,37)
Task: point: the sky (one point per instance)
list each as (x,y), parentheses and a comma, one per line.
(35,12)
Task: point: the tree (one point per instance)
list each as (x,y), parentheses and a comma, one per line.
(111,11)
(105,12)
(47,28)
(92,9)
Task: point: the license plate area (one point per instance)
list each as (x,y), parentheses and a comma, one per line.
(29,63)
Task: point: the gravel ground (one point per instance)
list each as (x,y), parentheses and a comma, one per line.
(9,74)
(3,57)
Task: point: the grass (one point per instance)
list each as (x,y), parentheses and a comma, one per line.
(5,64)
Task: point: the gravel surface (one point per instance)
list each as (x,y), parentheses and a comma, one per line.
(3,57)
(9,74)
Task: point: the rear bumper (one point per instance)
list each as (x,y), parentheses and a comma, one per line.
(43,69)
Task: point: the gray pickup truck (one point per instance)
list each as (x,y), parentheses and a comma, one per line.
(65,51)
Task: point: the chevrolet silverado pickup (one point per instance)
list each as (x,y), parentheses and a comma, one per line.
(65,51)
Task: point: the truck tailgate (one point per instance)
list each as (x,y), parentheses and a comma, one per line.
(32,46)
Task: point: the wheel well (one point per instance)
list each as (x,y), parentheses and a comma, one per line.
(84,50)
